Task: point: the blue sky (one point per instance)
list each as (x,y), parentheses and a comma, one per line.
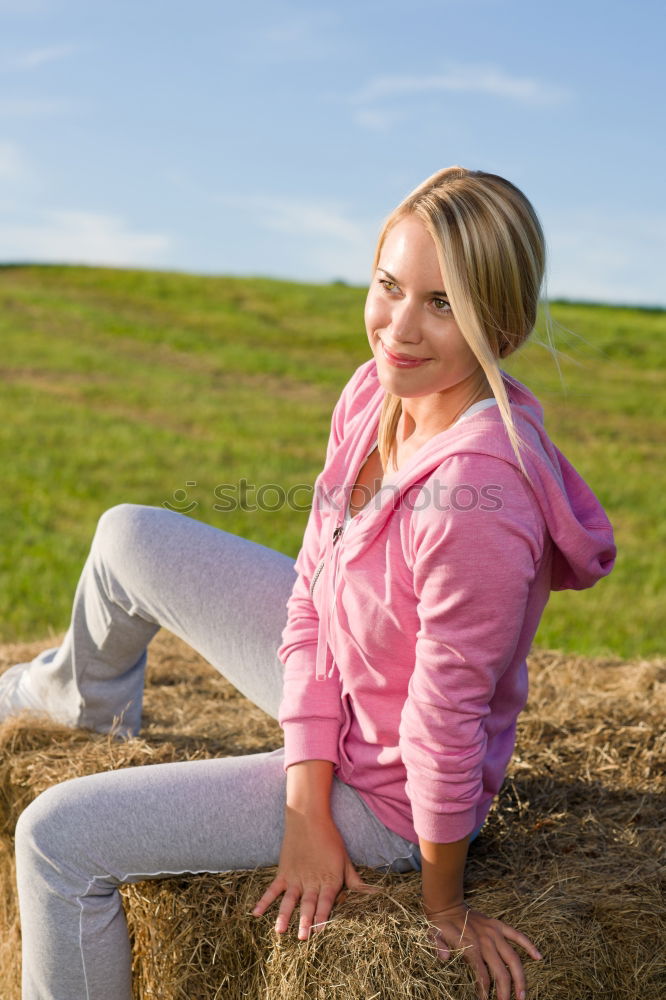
(272,136)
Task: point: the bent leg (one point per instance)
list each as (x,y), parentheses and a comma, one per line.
(150,567)
(81,838)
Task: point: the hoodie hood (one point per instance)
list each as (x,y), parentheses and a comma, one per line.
(583,545)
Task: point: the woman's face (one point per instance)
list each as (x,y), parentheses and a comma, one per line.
(407,312)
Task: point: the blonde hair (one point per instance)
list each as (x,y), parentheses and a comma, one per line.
(491,248)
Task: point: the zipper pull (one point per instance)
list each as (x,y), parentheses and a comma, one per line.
(337,533)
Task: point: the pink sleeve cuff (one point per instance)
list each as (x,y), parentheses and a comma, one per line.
(443,828)
(311,739)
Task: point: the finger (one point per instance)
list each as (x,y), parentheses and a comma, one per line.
(513,935)
(515,966)
(308,906)
(472,956)
(276,887)
(343,895)
(355,883)
(448,938)
(482,978)
(364,887)
(498,970)
(443,951)
(327,899)
(289,901)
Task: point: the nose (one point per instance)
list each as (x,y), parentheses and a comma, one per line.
(405,324)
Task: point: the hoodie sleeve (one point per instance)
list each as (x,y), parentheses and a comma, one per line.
(473,565)
(310,713)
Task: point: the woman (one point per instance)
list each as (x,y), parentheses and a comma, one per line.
(392,651)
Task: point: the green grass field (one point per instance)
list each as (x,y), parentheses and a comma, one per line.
(122,385)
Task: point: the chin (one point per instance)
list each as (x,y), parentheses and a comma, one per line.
(399,385)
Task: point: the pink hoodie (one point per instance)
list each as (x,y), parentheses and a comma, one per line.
(419,614)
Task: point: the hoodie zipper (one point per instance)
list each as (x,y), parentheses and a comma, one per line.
(317,573)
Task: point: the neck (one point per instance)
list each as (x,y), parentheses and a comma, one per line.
(424,416)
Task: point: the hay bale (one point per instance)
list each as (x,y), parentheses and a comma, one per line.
(572,853)
(372,947)
(10,934)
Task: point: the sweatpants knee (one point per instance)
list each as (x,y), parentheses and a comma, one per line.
(34,829)
(120,527)
(46,831)
(126,538)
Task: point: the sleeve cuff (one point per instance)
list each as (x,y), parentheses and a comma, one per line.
(443,828)
(312,739)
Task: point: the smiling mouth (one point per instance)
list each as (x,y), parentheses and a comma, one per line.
(401,360)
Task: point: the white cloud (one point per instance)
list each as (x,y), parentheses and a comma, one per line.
(12,164)
(34,58)
(309,35)
(607,256)
(81,238)
(295,217)
(483,79)
(296,33)
(23,6)
(29,107)
(374,119)
(302,239)
(20,182)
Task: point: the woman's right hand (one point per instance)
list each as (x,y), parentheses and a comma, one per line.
(314,867)
(487,945)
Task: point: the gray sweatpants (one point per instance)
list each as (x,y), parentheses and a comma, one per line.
(226,597)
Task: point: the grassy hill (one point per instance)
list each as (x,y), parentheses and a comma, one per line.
(121,385)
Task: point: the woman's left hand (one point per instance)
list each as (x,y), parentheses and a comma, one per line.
(314,869)
(487,948)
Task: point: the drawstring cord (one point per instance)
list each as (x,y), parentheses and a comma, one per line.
(324,655)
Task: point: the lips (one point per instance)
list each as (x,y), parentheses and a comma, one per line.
(402,360)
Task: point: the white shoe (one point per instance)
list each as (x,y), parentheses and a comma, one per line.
(15,697)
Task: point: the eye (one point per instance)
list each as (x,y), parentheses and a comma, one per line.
(388,285)
(441,305)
